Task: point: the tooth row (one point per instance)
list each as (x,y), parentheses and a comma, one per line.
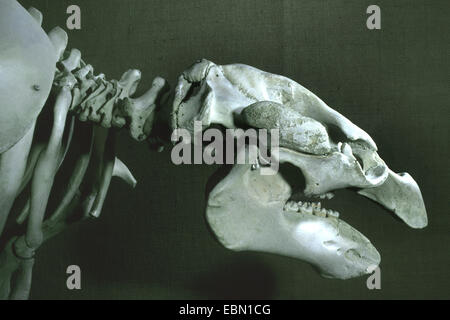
(314,208)
(328,195)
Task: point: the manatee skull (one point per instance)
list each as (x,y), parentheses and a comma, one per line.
(250,211)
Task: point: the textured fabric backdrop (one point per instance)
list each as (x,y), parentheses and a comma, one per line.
(153,242)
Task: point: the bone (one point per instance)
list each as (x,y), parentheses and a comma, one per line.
(100,76)
(76,99)
(47,164)
(152,94)
(327,173)
(59,39)
(226,90)
(141,110)
(36,14)
(27,70)
(129,82)
(8,266)
(106,111)
(73,60)
(109,102)
(88,106)
(400,194)
(96,103)
(198,71)
(104,179)
(121,170)
(85,76)
(127,86)
(23,215)
(93,175)
(32,160)
(84,71)
(239,95)
(298,98)
(291,205)
(99,172)
(347,150)
(23,276)
(66,143)
(245,211)
(79,171)
(296,131)
(181,90)
(328,195)
(16,263)
(12,169)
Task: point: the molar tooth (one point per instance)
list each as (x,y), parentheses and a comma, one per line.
(329,195)
(316,206)
(333,213)
(320,213)
(291,206)
(307,209)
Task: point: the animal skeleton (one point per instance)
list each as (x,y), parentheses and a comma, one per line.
(40,80)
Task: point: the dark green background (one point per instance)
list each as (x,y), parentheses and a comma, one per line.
(153,242)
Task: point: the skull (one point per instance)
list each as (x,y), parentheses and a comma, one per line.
(249,211)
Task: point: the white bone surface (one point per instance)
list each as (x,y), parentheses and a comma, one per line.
(27,67)
(248,211)
(401,194)
(245,210)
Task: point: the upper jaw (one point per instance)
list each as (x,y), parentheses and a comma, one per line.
(337,170)
(400,194)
